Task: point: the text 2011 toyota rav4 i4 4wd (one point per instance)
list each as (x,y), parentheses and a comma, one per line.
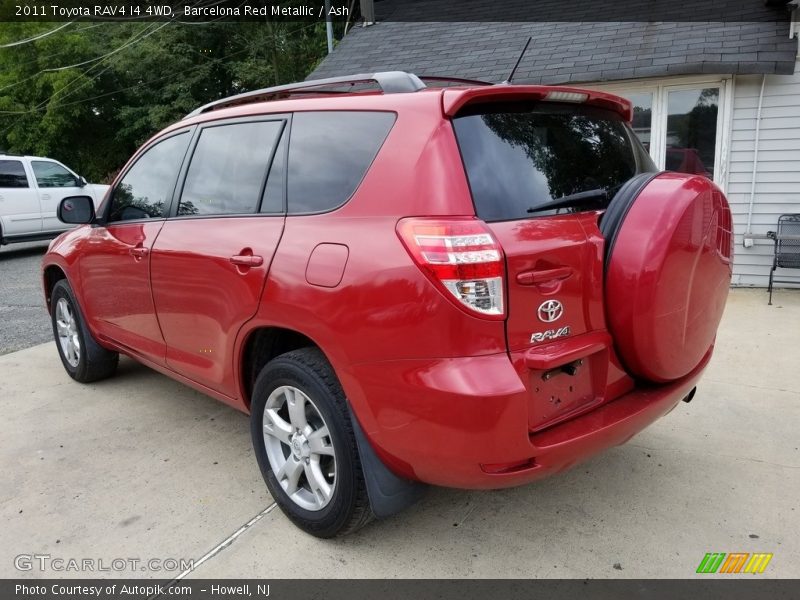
(471,285)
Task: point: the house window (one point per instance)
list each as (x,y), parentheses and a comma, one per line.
(691,138)
(679,122)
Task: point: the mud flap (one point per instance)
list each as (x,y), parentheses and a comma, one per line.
(388,493)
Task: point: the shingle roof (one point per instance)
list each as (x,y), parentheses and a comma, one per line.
(564,52)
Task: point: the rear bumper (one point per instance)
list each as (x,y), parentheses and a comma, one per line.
(457,422)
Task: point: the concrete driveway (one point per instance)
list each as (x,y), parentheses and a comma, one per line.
(142,467)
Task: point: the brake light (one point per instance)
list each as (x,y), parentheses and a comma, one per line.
(561,96)
(462,257)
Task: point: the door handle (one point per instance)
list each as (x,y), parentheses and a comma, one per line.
(543,276)
(45,196)
(138,252)
(247,260)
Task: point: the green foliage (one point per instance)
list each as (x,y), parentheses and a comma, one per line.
(132,79)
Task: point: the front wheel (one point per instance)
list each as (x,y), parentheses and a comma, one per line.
(83,358)
(304,443)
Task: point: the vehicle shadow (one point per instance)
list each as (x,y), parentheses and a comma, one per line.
(9,252)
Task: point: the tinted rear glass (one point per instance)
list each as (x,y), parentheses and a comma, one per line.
(228,168)
(329,153)
(12,174)
(520,157)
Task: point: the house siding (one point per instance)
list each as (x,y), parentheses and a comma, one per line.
(777,189)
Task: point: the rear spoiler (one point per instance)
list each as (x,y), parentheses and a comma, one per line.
(453,100)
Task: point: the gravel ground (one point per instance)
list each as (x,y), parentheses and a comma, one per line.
(23,319)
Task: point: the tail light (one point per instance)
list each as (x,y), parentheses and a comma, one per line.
(462,258)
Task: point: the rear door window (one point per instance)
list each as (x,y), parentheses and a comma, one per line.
(12,174)
(329,154)
(229,168)
(519,158)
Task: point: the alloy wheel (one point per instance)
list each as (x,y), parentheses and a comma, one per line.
(299,448)
(67,328)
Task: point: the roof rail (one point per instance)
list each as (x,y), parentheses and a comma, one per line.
(390,82)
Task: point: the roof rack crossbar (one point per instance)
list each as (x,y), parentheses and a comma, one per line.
(390,82)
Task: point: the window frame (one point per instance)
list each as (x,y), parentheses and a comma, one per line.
(103,220)
(660,89)
(172,212)
(28,180)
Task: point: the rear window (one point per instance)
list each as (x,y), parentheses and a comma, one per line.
(520,158)
(12,174)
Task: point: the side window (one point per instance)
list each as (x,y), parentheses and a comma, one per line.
(12,174)
(49,175)
(149,183)
(329,154)
(228,168)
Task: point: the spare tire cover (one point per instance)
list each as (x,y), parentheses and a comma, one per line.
(668,271)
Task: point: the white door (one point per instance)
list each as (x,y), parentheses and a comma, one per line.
(55,182)
(20,213)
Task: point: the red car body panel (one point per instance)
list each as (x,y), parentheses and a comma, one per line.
(203,298)
(406,408)
(117,258)
(444,396)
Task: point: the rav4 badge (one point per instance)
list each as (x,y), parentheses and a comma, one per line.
(550,334)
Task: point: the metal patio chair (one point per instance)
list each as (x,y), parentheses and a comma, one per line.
(787,247)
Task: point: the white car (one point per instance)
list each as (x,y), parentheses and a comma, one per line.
(31,189)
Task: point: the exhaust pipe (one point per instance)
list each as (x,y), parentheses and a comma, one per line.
(690,395)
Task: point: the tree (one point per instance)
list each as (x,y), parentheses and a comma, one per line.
(91,93)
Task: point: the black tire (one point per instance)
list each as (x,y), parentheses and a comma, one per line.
(94,361)
(309,371)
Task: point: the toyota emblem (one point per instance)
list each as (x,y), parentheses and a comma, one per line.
(550,311)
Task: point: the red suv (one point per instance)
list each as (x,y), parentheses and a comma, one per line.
(465,285)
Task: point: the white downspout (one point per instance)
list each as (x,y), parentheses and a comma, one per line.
(748,242)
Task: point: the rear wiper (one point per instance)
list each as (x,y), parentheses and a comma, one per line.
(576,199)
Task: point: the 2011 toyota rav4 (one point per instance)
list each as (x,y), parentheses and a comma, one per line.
(471,286)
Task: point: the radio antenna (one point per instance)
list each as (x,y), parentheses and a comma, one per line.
(519,60)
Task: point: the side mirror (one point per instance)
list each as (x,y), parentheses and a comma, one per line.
(76,210)
(82,181)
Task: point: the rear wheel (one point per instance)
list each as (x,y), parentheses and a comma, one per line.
(83,358)
(304,443)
